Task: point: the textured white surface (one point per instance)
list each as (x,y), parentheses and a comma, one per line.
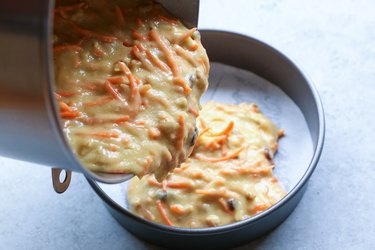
(334,41)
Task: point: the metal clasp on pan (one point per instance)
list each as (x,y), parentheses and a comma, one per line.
(61,186)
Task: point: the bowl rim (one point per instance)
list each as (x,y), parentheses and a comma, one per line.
(240,224)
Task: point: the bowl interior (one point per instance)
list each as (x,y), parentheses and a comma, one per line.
(233,85)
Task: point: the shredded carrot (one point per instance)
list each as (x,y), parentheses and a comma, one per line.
(144,88)
(89,33)
(215,143)
(65,93)
(178,185)
(148,213)
(185,36)
(177,209)
(99,102)
(154,133)
(99,52)
(69,114)
(64,107)
(180,133)
(57,96)
(224,205)
(115,94)
(193,111)
(75,48)
(171,61)
(147,165)
(259,208)
(181,82)
(228,171)
(163,214)
(137,54)
(153,182)
(140,46)
(227,130)
(102,134)
(274,180)
(130,76)
(127,44)
(114,148)
(202,123)
(156,61)
(274,146)
(138,36)
(261,171)
(119,16)
(125,141)
(193,47)
(122,119)
(116,80)
(223,158)
(202,133)
(141,123)
(186,55)
(281,133)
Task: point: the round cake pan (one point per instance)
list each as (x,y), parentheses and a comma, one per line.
(245,69)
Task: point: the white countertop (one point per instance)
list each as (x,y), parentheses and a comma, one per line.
(334,42)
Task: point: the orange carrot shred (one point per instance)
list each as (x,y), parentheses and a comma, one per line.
(227,130)
(185,36)
(181,82)
(180,133)
(116,80)
(138,36)
(69,114)
(64,107)
(186,55)
(177,209)
(139,56)
(167,52)
(163,214)
(223,158)
(193,47)
(67,47)
(65,93)
(99,102)
(122,119)
(193,111)
(89,33)
(147,165)
(115,94)
(153,182)
(177,185)
(102,134)
(156,61)
(224,205)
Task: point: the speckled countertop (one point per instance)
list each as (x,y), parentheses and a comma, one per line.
(334,42)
